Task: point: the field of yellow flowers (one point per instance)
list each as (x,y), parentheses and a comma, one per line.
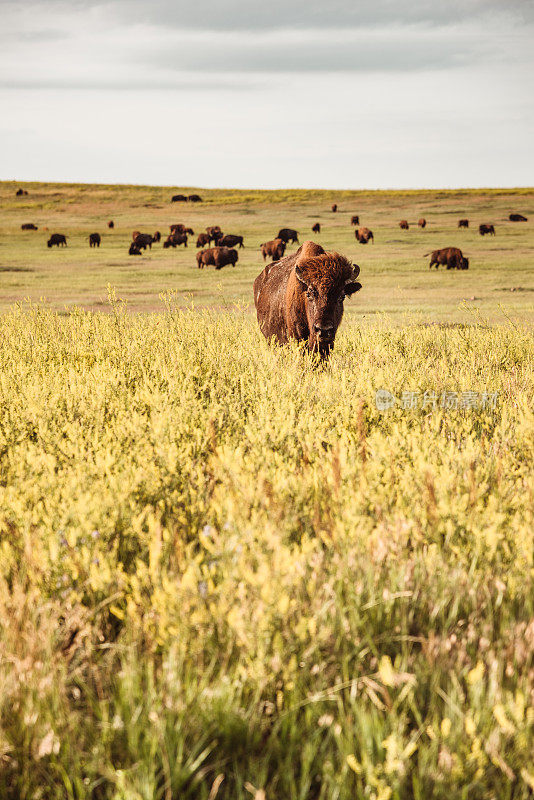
(224,573)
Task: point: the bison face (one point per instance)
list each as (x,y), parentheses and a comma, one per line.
(325,291)
(465,263)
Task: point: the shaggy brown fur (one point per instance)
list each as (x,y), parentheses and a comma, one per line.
(288,235)
(275,248)
(463,223)
(486,228)
(403,224)
(422,222)
(203,239)
(301,297)
(217,257)
(175,239)
(179,228)
(451,257)
(363,235)
(142,240)
(230,240)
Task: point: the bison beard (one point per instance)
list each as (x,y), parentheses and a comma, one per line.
(301,297)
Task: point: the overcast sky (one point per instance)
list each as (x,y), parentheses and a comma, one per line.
(308,93)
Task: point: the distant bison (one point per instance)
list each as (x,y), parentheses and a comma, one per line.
(317,228)
(463,223)
(230,240)
(215,233)
(517,218)
(28,226)
(287,235)
(134,250)
(175,239)
(179,198)
(57,239)
(334,208)
(111,224)
(485,228)
(203,239)
(363,235)
(301,297)
(355,220)
(21,192)
(179,228)
(157,236)
(142,240)
(403,225)
(217,257)
(422,222)
(94,240)
(275,248)
(451,257)
(194,198)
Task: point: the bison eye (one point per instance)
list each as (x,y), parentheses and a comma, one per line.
(311,293)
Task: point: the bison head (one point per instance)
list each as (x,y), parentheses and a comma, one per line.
(465,263)
(326,278)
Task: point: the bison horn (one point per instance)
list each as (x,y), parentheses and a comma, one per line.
(355,273)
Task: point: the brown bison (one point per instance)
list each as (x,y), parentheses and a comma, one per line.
(485,228)
(275,248)
(301,297)
(215,233)
(19,192)
(57,239)
(111,224)
(230,240)
(28,226)
(316,228)
(334,208)
(452,257)
(517,218)
(175,239)
(288,235)
(194,198)
(142,240)
(463,223)
(217,257)
(422,222)
(403,225)
(94,240)
(363,235)
(203,239)
(179,228)
(355,220)
(179,198)
(134,250)
(157,236)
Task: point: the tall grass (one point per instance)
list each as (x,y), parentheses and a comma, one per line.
(224,573)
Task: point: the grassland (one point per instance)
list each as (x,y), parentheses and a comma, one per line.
(395,275)
(224,573)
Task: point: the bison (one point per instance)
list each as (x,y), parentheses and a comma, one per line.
(57,239)
(463,223)
(19,192)
(94,240)
(403,225)
(275,248)
(363,235)
(355,220)
(179,228)
(28,226)
(203,239)
(288,235)
(157,236)
(301,297)
(334,208)
(217,257)
(517,218)
(179,198)
(230,240)
(194,198)
(316,228)
(422,222)
(452,257)
(175,239)
(134,250)
(142,240)
(111,224)
(485,228)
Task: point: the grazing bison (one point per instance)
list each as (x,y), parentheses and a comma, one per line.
(275,248)
(142,240)
(111,224)
(175,239)
(57,239)
(217,257)
(403,225)
(485,228)
(194,198)
(28,226)
(355,220)
(134,250)
(463,223)
(179,198)
(363,235)
(179,228)
(19,192)
(422,222)
(317,228)
(203,239)
(517,218)
(452,257)
(334,208)
(94,240)
(157,237)
(230,240)
(288,235)
(301,297)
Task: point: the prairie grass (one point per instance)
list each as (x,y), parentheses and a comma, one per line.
(225,574)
